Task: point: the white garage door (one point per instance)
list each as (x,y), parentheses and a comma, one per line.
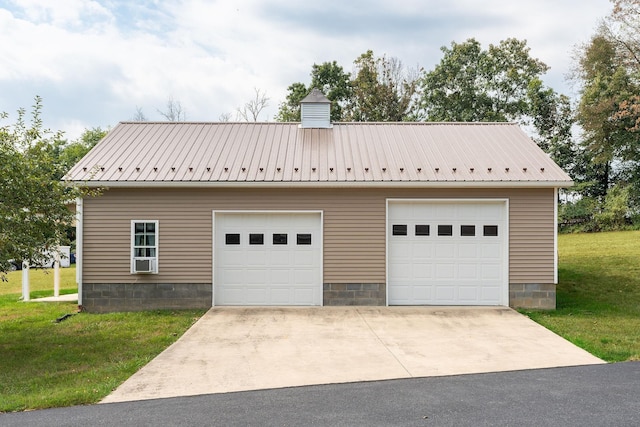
(447,252)
(267,258)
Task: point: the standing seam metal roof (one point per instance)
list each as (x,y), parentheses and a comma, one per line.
(217,153)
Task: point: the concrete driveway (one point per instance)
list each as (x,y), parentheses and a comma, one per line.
(251,348)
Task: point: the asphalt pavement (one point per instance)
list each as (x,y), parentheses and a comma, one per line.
(592,395)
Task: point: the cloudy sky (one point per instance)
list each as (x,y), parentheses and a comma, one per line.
(95,61)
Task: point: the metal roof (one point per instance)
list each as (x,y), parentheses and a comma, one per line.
(348,154)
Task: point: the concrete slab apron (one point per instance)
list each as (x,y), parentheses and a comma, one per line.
(239,348)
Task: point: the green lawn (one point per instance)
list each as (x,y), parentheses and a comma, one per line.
(598,295)
(77,361)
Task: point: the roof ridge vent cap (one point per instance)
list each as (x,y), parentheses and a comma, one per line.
(315,111)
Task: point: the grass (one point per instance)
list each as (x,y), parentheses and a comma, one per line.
(78,361)
(598,295)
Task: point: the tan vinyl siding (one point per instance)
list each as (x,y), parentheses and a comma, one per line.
(354,229)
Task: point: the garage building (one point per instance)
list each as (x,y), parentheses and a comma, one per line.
(317,213)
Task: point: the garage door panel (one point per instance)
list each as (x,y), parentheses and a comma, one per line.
(445,250)
(468,292)
(304,277)
(444,293)
(302,295)
(279,257)
(304,258)
(489,293)
(467,271)
(419,271)
(233,295)
(278,296)
(259,268)
(233,276)
(253,277)
(468,251)
(421,294)
(255,295)
(432,267)
(421,251)
(491,272)
(445,271)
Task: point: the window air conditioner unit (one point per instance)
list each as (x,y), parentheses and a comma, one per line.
(143,265)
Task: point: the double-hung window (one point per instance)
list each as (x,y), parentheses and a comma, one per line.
(144,246)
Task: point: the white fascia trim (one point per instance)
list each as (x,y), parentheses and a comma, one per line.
(326,184)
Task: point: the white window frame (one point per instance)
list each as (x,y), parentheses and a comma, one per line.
(153,259)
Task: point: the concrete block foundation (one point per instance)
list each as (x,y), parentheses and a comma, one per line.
(354,294)
(110,297)
(532,295)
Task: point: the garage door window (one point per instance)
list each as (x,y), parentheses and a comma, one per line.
(399,230)
(256,239)
(445,230)
(422,230)
(304,239)
(232,239)
(490,230)
(280,239)
(467,230)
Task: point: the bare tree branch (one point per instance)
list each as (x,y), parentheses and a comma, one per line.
(252,109)
(174,111)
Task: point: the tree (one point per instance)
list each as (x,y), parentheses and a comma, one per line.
(139,116)
(33,203)
(174,111)
(331,79)
(622,28)
(606,85)
(382,90)
(68,154)
(552,119)
(472,84)
(252,109)
(334,82)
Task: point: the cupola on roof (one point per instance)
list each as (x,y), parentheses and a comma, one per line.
(315,110)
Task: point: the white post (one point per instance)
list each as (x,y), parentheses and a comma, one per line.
(25,281)
(56,274)
(79,240)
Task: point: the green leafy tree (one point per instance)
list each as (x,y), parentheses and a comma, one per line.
(472,84)
(606,84)
(383,90)
(331,79)
(615,209)
(380,89)
(33,203)
(68,154)
(553,119)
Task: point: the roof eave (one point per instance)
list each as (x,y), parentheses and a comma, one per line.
(325,184)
